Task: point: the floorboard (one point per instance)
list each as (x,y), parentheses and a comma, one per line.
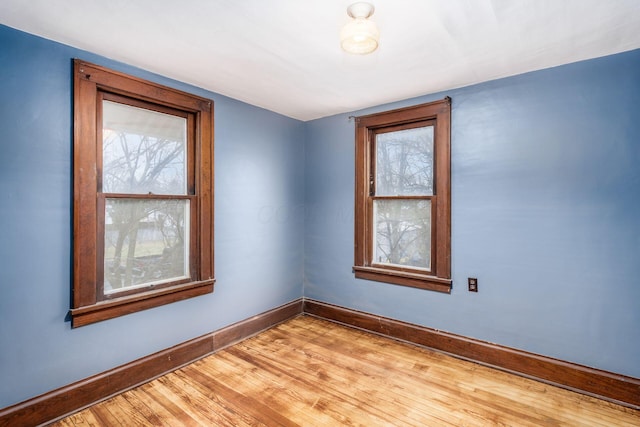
(310,372)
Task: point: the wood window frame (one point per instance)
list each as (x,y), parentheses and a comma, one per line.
(438,278)
(92,83)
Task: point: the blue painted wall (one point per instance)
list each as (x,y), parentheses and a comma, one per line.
(545,213)
(259,238)
(546,192)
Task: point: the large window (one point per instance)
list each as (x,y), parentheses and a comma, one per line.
(143,194)
(403,201)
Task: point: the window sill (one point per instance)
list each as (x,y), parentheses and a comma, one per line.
(130,304)
(403,278)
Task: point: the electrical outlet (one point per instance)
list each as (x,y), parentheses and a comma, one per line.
(473,284)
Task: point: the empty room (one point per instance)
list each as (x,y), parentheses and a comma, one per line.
(320,213)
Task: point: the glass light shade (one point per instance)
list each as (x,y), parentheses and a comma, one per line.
(359,36)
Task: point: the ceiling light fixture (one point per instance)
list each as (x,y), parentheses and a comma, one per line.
(360,35)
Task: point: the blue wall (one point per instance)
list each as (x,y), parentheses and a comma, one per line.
(546,194)
(545,213)
(259,238)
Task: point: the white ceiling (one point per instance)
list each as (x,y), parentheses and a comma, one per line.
(285,56)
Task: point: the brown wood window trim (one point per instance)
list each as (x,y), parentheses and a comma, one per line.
(438,277)
(92,85)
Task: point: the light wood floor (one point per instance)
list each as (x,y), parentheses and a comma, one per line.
(309,372)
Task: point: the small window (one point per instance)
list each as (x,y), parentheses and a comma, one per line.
(143,195)
(403,202)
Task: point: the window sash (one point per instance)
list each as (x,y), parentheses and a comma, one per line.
(376,162)
(190,246)
(371,255)
(190,144)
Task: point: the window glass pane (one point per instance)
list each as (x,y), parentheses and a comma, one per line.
(402,232)
(404,162)
(143,151)
(146,242)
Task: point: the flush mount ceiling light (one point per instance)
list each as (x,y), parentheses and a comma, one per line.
(360,35)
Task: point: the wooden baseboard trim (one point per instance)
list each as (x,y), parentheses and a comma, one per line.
(247,328)
(604,385)
(71,398)
(53,405)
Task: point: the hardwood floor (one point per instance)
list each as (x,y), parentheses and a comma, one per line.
(310,372)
